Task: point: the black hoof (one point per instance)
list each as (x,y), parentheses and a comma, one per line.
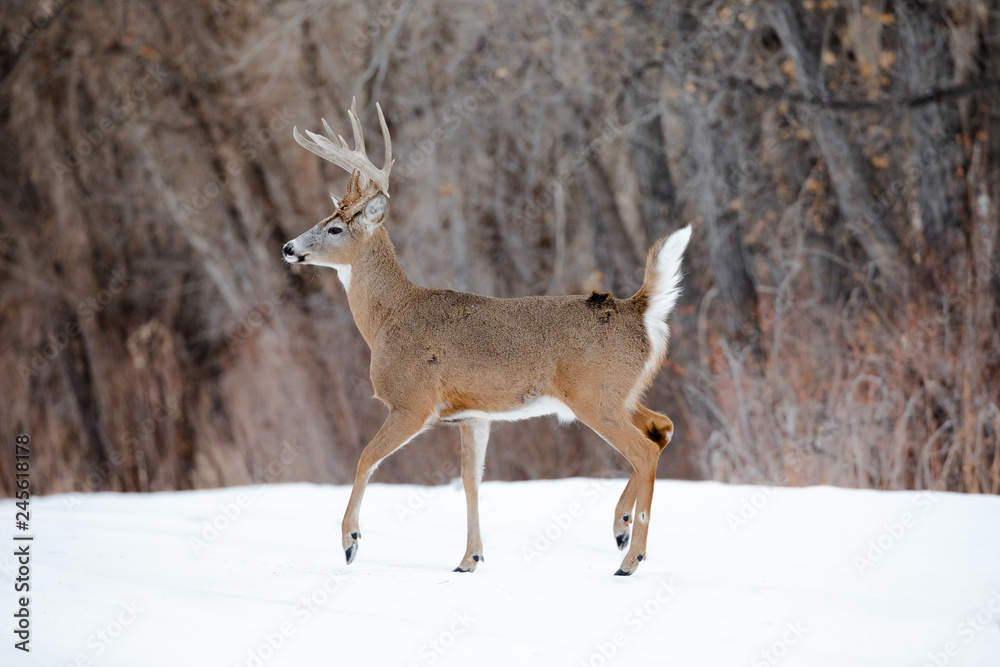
(622,573)
(459,569)
(622,541)
(350,552)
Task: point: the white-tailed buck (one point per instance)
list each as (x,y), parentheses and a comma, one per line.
(443,356)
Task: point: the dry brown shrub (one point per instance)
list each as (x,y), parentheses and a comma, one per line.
(543,146)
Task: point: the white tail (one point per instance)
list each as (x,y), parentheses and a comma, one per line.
(444,356)
(664,282)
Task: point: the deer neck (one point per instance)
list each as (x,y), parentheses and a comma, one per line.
(378,287)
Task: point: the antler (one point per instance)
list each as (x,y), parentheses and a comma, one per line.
(351,160)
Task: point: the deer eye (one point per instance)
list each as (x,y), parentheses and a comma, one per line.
(335,230)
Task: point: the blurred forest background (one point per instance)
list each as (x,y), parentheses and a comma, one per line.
(840,162)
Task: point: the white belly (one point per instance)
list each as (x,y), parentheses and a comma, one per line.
(539,407)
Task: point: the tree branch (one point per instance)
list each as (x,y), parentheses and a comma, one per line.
(837,104)
(7,64)
(910,102)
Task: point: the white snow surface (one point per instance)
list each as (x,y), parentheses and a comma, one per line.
(735,575)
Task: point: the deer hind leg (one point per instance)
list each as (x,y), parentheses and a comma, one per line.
(475,436)
(617,428)
(623,512)
(655,426)
(660,430)
(399,428)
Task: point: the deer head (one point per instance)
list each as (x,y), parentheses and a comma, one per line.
(336,239)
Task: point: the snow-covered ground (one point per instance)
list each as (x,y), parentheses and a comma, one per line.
(736,575)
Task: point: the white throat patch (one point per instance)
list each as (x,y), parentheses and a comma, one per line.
(343,272)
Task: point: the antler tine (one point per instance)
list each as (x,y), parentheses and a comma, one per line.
(359,142)
(343,156)
(387,167)
(330,133)
(359,136)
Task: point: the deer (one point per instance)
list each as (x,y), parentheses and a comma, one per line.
(443,356)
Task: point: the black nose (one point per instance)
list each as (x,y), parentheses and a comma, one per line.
(288,249)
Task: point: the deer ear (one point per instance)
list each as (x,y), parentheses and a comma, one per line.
(375,212)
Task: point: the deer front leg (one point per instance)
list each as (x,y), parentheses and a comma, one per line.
(399,428)
(475,435)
